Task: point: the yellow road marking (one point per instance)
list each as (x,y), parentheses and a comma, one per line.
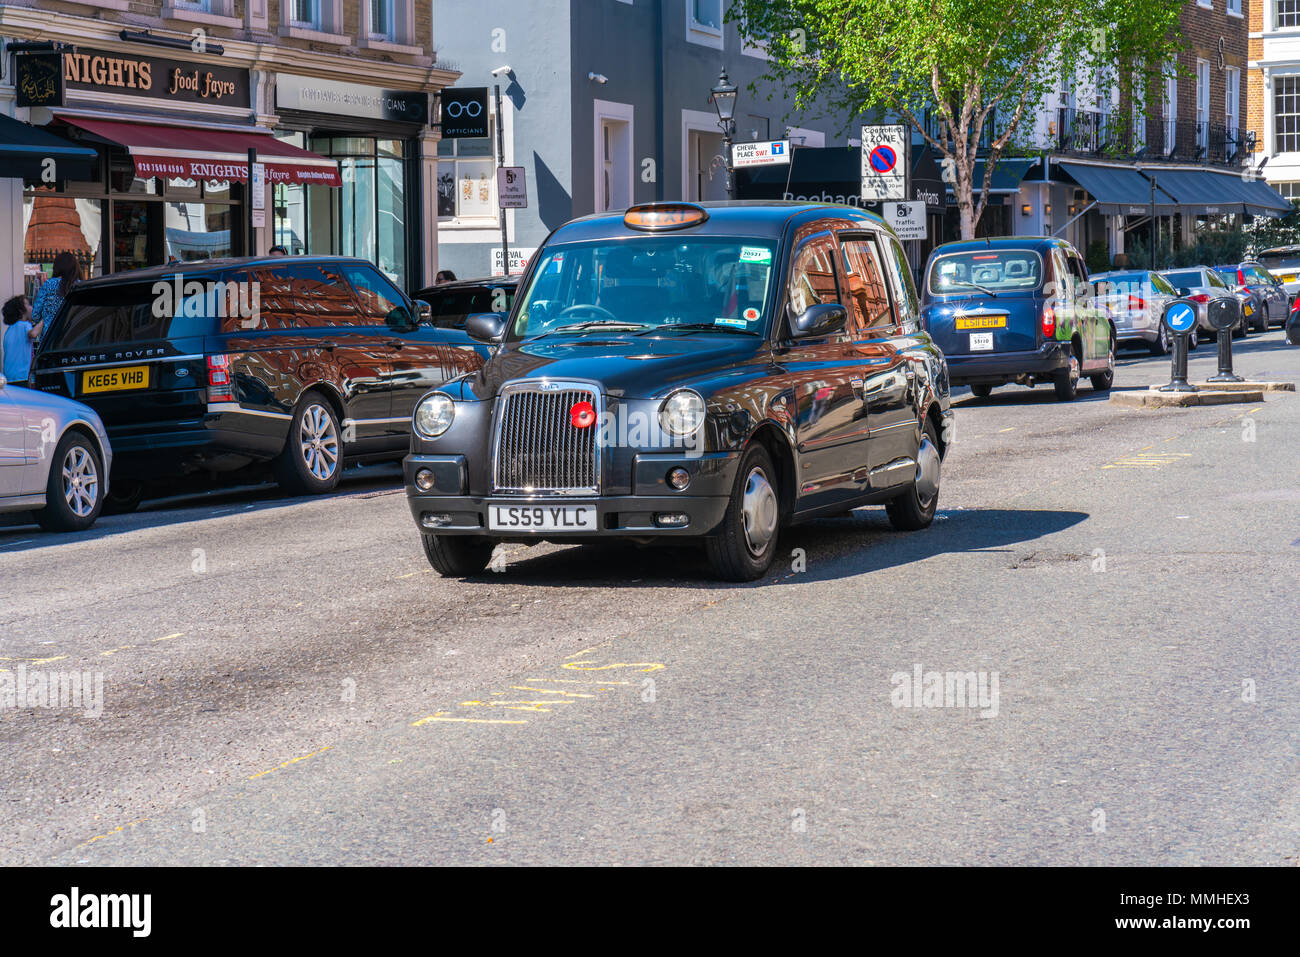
(513,705)
(577,681)
(170,637)
(116,830)
(439,717)
(1148,460)
(36,661)
(413,574)
(571,694)
(644,666)
(262,774)
(1012,429)
(113,651)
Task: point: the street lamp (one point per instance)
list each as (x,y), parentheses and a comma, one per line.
(724,101)
(1155,236)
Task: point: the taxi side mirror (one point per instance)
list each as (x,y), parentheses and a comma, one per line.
(820,319)
(486,326)
(424,311)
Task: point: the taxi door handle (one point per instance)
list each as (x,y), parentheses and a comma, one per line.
(328,346)
(395,343)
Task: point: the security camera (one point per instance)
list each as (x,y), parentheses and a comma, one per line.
(502,71)
(598,77)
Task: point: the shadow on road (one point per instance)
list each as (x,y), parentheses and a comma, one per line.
(832,548)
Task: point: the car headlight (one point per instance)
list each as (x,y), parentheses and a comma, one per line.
(434,414)
(682,412)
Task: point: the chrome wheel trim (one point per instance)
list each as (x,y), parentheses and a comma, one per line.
(929,467)
(1164,340)
(758,509)
(1074,369)
(80,481)
(318,442)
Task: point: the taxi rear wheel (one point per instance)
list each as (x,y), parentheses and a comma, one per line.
(457,556)
(744,545)
(915,508)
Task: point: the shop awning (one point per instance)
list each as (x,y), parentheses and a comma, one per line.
(24,150)
(1007,175)
(1118,190)
(1209,193)
(210,154)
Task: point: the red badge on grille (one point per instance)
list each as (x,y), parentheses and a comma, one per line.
(582,415)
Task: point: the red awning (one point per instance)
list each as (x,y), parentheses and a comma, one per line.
(209,154)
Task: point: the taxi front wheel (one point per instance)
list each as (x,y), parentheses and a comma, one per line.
(744,545)
(457,556)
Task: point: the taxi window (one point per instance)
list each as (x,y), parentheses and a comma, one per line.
(865,282)
(812,279)
(721,283)
(995,269)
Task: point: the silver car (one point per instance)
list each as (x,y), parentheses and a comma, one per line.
(1136,302)
(54,459)
(1200,284)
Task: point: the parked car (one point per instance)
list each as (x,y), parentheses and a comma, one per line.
(55,458)
(1200,284)
(1136,302)
(1016,309)
(1283,262)
(1293,325)
(1270,301)
(709,372)
(304,363)
(452,303)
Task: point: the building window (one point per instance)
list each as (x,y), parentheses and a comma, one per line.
(704,22)
(1286,114)
(1169,106)
(1290,190)
(381,20)
(466,180)
(1231,101)
(1286,13)
(305,13)
(1234,8)
(1202,103)
(614,165)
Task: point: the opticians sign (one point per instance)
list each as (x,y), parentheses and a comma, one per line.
(350,99)
(464,112)
(125,75)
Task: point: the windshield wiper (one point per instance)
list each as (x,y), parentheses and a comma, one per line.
(973,285)
(598,324)
(697,326)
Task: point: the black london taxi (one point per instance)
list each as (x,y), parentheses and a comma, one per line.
(709,371)
(298,363)
(1017,309)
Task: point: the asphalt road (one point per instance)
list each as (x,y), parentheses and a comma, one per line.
(286,681)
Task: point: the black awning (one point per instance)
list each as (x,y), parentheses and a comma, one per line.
(1118,190)
(1201,192)
(25,149)
(1261,199)
(1007,174)
(833,174)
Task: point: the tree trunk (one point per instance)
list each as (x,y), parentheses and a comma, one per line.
(964,192)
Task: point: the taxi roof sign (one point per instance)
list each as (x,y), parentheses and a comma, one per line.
(664,216)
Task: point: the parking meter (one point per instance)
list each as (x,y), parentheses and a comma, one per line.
(1225,314)
(1180,318)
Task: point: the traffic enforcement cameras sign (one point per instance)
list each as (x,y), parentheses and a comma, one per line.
(884,163)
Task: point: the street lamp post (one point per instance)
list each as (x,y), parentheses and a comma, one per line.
(1155,232)
(724,101)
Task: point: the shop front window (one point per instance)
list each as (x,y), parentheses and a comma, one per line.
(53,224)
(197,231)
(466,186)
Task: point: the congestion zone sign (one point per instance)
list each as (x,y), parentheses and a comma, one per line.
(884,163)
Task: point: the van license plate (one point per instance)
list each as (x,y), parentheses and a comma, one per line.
(115,380)
(981,341)
(542,518)
(980,322)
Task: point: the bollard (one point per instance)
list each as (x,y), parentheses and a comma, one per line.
(1180,317)
(1225,318)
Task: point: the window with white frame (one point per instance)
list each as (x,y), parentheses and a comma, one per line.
(614,163)
(1139,100)
(704,22)
(1286,114)
(305,14)
(467,180)
(1169,106)
(1286,13)
(381,24)
(1234,7)
(1202,103)
(1231,101)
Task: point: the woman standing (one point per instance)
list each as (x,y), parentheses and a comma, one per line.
(49,298)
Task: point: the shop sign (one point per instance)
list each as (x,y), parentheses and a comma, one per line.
(121,74)
(350,99)
(464,112)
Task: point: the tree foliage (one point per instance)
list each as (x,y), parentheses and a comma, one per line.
(976,68)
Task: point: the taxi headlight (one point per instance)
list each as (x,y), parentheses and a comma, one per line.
(682,412)
(434,414)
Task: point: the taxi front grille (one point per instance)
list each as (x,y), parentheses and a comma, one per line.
(538,448)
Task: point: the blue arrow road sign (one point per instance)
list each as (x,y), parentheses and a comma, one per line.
(1180,317)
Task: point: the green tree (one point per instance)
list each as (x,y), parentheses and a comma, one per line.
(979,66)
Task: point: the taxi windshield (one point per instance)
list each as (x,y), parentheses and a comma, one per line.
(647,284)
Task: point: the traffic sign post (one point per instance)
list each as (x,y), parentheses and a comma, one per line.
(1180,317)
(885,163)
(1225,315)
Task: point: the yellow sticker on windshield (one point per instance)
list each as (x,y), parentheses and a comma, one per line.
(755,254)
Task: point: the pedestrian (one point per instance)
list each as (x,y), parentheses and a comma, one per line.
(277,250)
(49,298)
(444,275)
(19,339)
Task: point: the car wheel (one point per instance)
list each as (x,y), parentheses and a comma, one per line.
(981,391)
(312,459)
(73,496)
(914,509)
(1242,329)
(743,547)
(1265,318)
(1193,339)
(124,496)
(1160,347)
(456,556)
(1101,383)
(1066,382)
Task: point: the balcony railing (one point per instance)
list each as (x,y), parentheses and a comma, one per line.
(1092,133)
